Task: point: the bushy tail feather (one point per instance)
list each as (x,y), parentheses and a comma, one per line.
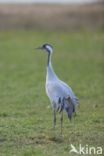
(68,105)
(69,108)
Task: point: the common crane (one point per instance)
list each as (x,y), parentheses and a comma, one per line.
(60,94)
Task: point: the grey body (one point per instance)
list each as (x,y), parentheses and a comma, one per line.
(60,94)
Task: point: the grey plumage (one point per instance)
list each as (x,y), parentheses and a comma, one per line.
(60,94)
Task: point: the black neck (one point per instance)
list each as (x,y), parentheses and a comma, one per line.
(49,58)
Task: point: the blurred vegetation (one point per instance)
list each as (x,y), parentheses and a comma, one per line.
(52,17)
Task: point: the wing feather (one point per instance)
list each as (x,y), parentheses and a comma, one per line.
(58,89)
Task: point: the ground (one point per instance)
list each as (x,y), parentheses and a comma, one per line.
(25,112)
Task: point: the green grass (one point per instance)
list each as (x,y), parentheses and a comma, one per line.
(25,115)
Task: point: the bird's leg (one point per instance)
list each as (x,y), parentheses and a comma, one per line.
(54,118)
(61,119)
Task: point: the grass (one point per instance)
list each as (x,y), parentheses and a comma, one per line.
(25,115)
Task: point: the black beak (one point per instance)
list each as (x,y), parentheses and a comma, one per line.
(39,48)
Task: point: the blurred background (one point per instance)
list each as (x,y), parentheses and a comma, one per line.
(75,28)
(57,15)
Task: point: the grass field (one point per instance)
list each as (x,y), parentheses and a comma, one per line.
(25,115)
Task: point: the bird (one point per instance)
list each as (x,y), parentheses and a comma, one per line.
(61,96)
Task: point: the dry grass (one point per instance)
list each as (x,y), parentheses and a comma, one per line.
(52,17)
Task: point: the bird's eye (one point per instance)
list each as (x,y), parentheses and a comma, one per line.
(44,46)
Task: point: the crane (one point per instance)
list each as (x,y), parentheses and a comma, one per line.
(59,93)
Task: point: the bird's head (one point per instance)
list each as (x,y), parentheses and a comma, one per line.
(47,47)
